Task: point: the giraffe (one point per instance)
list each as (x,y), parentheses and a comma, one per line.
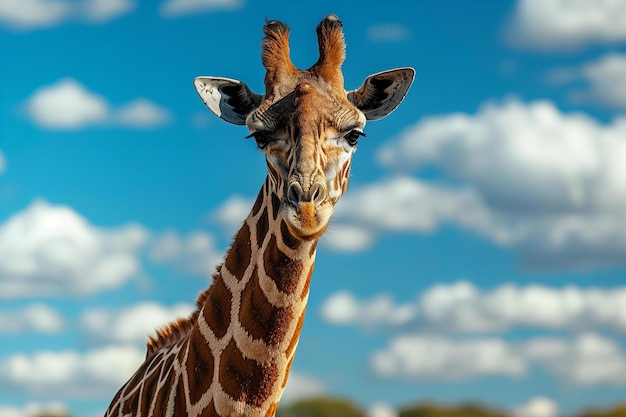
(232,356)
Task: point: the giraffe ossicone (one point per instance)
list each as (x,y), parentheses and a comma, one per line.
(232,356)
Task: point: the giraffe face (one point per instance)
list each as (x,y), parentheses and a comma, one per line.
(306,123)
(308,136)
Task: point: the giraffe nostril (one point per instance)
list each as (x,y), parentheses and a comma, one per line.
(294,194)
(318,193)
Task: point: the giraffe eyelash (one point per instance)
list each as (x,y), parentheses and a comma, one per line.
(352,137)
(262,139)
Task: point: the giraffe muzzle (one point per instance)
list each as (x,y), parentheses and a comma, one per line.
(316,194)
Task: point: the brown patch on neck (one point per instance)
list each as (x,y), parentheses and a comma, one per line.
(259,317)
(240,253)
(262,227)
(216,308)
(200,366)
(291,241)
(280,268)
(244,379)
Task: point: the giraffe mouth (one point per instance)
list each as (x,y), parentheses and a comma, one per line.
(307,221)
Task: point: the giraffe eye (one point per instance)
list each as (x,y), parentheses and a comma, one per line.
(261,139)
(352,137)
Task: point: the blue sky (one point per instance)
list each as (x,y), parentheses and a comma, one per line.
(479,254)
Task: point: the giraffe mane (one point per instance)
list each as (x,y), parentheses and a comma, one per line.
(178,329)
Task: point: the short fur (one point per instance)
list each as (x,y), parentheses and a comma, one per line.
(232,356)
(332,50)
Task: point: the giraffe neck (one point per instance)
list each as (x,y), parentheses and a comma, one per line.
(253,313)
(231,357)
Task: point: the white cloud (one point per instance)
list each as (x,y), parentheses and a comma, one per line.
(36,14)
(68,105)
(537,407)
(347,238)
(545,160)
(29,14)
(438,358)
(565,24)
(34,410)
(343,308)
(134,324)
(588,359)
(195,254)
(101,11)
(71,374)
(391,32)
(605,77)
(551,184)
(405,204)
(462,307)
(50,250)
(142,113)
(301,387)
(232,213)
(176,8)
(32,318)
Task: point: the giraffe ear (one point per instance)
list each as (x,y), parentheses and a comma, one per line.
(381,93)
(230,100)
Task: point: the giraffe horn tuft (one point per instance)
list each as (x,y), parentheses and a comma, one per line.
(275,52)
(332,49)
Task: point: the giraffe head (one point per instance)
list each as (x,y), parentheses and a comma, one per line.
(306,123)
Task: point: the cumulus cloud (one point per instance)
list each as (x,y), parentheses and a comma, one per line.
(391,32)
(588,359)
(133,324)
(301,387)
(101,11)
(34,410)
(343,308)
(563,24)
(68,105)
(437,358)
(347,238)
(71,374)
(36,14)
(232,213)
(404,204)
(50,250)
(195,254)
(605,79)
(176,8)
(141,113)
(33,318)
(464,308)
(537,407)
(551,184)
